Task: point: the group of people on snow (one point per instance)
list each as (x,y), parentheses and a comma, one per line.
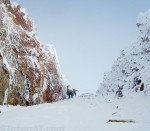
(71,92)
(137,85)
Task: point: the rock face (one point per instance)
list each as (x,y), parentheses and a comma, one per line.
(29,71)
(132,66)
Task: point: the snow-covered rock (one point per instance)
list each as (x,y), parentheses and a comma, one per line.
(132,65)
(29,71)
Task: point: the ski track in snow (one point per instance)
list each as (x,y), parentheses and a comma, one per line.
(79,114)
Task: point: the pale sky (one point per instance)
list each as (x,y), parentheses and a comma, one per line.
(88,34)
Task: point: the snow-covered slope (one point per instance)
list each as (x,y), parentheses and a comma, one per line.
(29,71)
(132,65)
(79,114)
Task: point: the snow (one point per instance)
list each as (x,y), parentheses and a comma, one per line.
(6,63)
(14,4)
(35,96)
(6,96)
(143,21)
(7,108)
(80,114)
(45,84)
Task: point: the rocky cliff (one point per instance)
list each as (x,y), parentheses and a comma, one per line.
(29,70)
(131,71)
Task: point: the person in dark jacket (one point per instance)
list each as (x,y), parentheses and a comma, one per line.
(69,92)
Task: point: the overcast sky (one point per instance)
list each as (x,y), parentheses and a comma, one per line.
(88,34)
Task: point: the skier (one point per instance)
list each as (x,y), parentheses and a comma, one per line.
(69,92)
(74,92)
